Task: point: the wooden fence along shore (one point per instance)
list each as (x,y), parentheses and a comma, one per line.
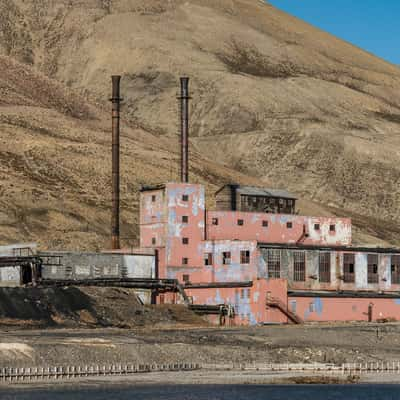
(70,372)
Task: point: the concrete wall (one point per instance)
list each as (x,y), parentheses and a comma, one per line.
(10,277)
(277,230)
(249,303)
(97,265)
(344,309)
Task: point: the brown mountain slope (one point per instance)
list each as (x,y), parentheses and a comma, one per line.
(55,164)
(273,97)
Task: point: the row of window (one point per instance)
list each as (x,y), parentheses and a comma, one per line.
(289,224)
(226,258)
(185,197)
(324,267)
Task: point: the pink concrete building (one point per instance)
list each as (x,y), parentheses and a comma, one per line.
(254,254)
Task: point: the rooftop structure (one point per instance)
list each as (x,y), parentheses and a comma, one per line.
(235,197)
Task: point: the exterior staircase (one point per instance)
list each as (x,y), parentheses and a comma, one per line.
(274,302)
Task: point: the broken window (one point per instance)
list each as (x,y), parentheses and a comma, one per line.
(373,276)
(265,224)
(240,222)
(348,267)
(289,225)
(226,257)
(215,221)
(185,197)
(299,266)
(325,267)
(208,259)
(332,228)
(185,240)
(395,269)
(186,278)
(245,257)
(274,263)
(185,261)
(185,219)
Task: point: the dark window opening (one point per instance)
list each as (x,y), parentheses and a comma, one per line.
(289,225)
(26,274)
(245,257)
(208,259)
(325,267)
(185,197)
(332,228)
(185,261)
(226,257)
(373,276)
(240,222)
(274,263)
(215,221)
(185,240)
(185,219)
(186,278)
(153,240)
(395,269)
(299,266)
(348,268)
(153,198)
(265,224)
(316,227)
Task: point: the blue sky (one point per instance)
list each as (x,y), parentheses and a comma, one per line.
(373,25)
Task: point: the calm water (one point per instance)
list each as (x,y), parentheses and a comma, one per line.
(213,392)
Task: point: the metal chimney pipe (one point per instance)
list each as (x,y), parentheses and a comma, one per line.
(184,98)
(116,103)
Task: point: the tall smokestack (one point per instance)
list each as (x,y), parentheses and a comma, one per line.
(184,98)
(116,103)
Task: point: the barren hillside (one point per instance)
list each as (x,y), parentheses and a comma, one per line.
(273,98)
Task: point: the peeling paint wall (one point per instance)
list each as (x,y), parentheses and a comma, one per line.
(345,309)
(174,221)
(278,228)
(249,303)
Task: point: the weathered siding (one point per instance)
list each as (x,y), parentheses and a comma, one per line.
(97,265)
